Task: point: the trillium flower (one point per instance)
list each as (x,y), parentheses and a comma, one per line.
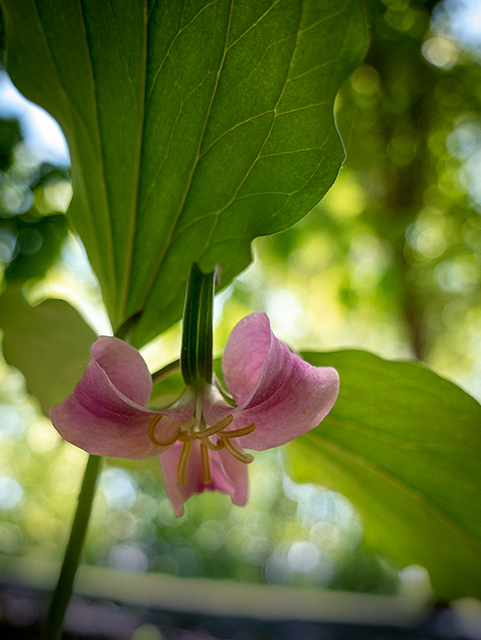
(200,439)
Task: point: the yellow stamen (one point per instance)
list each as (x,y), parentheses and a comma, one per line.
(215,428)
(213,447)
(151,433)
(237,433)
(188,435)
(183,459)
(243,457)
(185,436)
(204,458)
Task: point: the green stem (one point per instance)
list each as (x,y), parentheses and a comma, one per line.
(165,372)
(63,590)
(196,350)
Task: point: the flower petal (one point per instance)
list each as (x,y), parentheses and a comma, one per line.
(214,407)
(298,406)
(244,354)
(99,417)
(236,471)
(227,476)
(125,368)
(283,395)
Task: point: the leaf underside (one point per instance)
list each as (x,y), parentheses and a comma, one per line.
(193,127)
(49,343)
(404,445)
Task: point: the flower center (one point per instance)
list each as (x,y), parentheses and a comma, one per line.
(196,429)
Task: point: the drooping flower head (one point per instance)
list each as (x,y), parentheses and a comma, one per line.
(200,439)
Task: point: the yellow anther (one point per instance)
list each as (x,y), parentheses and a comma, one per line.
(237,433)
(151,433)
(215,428)
(243,457)
(183,459)
(204,458)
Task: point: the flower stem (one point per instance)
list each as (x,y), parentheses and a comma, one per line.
(165,372)
(63,590)
(196,350)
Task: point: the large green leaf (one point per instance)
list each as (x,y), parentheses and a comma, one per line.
(404,445)
(49,343)
(194,126)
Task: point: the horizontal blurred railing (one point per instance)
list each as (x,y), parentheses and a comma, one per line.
(221,597)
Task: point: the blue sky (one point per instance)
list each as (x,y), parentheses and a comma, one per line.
(41,132)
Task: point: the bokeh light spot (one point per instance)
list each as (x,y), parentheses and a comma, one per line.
(118,488)
(440,52)
(147,632)
(210,535)
(11,493)
(41,436)
(128,557)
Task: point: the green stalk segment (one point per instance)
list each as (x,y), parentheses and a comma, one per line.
(196,352)
(63,590)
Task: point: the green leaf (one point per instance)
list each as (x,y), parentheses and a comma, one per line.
(193,128)
(49,343)
(404,445)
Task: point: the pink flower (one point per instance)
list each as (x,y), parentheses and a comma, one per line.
(202,436)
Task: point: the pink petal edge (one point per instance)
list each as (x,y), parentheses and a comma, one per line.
(284,396)
(125,368)
(245,353)
(102,420)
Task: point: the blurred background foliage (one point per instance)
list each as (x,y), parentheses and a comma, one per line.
(34,197)
(390,262)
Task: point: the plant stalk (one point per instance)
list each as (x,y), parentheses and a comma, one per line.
(63,590)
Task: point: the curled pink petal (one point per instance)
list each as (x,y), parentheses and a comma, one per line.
(299,405)
(101,418)
(283,395)
(244,354)
(125,368)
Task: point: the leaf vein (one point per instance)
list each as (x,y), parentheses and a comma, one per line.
(405,488)
(169,144)
(248,172)
(287,153)
(236,126)
(325,19)
(254,25)
(170,234)
(138,167)
(108,213)
(305,73)
(167,54)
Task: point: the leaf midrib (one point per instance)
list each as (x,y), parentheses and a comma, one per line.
(138,164)
(108,213)
(167,244)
